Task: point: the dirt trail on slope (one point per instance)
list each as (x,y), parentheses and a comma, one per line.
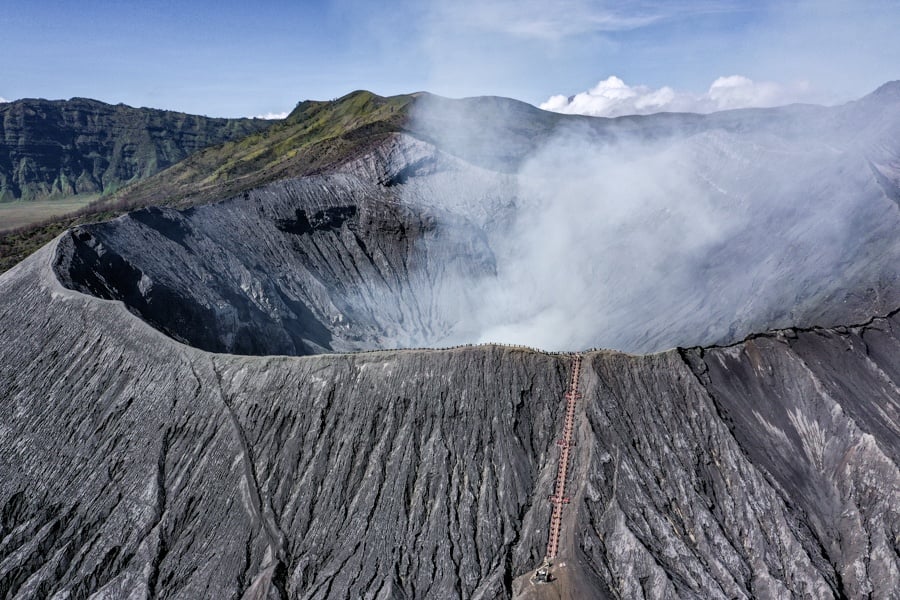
(572,578)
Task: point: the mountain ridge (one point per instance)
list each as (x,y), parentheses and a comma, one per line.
(253,161)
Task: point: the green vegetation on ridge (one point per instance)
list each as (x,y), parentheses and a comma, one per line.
(315,136)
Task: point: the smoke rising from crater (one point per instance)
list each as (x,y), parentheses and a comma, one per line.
(677,231)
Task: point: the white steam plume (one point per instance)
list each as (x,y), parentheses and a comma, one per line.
(639,241)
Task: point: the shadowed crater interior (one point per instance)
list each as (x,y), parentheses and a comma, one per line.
(300,267)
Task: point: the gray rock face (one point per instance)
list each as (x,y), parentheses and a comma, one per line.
(298,267)
(758,470)
(135,466)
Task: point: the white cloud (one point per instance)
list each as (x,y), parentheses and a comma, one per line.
(270,116)
(3,100)
(612,97)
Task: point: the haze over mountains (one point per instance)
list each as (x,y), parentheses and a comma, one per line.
(145,451)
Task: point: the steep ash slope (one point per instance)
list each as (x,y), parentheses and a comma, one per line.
(134,464)
(131,463)
(767,469)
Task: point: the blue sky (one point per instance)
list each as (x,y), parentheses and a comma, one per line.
(229,58)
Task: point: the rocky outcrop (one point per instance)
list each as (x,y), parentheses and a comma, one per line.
(82,146)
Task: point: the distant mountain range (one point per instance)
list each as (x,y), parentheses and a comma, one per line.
(60,148)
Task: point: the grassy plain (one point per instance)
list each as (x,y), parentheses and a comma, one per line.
(20,214)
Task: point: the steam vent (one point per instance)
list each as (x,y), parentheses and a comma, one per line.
(411,347)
